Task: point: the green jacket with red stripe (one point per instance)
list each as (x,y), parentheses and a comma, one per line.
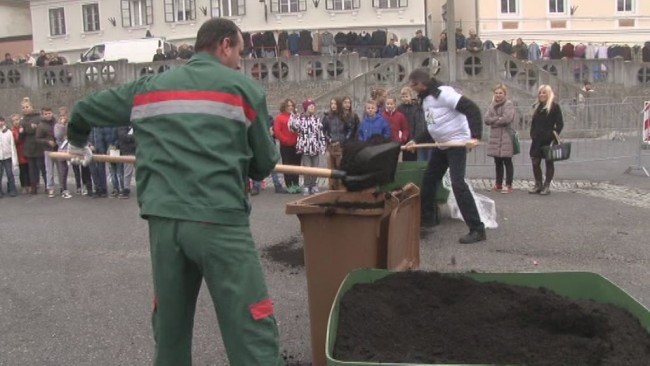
(200,131)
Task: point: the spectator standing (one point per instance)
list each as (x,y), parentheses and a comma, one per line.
(45,137)
(547,120)
(42,59)
(31,148)
(420,43)
(7,60)
(60,136)
(413,113)
(390,50)
(500,116)
(288,140)
(8,158)
(337,133)
(159,56)
(473,43)
(373,123)
(350,117)
(519,50)
(311,141)
(23,168)
(399,127)
(127,146)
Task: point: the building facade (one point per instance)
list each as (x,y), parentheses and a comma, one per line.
(15,27)
(72,26)
(597,21)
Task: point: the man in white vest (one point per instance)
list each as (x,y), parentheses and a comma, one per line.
(450,117)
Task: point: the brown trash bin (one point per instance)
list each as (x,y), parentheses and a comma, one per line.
(344,231)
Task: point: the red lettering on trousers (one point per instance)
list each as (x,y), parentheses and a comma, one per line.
(261,309)
(154,304)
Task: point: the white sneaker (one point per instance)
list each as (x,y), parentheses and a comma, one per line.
(305,191)
(314,190)
(50,193)
(66,194)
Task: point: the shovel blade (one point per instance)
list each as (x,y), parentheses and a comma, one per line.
(370,166)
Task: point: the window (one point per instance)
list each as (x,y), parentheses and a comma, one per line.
(137,13)
(556,6)
(624,6)
(180,10)
(57,22)
(342,4)
(227,8)
(91,17)
(508,6)
(389,4)
(288,6)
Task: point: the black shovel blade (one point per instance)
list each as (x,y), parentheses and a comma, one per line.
(371,165)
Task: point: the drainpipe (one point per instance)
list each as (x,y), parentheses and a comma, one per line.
(426,19)
(451,40)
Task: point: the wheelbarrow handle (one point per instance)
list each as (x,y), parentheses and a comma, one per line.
(286,169)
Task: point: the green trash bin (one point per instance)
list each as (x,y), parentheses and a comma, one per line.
(575,285)
(413,172)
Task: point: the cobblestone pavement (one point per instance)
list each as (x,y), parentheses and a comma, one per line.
(623,194)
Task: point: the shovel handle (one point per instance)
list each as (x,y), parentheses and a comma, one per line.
(467,144)
(127,159)
(311,171)
(286,169)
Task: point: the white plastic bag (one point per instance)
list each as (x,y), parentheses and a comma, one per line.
(486,207)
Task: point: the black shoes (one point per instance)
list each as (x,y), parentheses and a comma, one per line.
(474,236)
(546,190)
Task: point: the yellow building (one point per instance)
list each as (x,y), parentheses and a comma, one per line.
(598,21)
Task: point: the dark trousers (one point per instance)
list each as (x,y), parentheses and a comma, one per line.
(453,159)
(82,177)
(499,164)
(36,166)
(98,172)
(6,166)
(290,157)
(23,169)
(409,156)
(537,170)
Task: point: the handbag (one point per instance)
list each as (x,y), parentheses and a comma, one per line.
(514,137)
(557,150)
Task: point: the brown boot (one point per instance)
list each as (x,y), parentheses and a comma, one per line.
(546,190)
(537,188)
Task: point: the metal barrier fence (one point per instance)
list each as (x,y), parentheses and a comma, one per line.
(597,131)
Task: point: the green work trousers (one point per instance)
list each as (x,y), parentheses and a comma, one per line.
(185,252)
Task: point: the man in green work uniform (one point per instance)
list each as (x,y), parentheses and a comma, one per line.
(201,132)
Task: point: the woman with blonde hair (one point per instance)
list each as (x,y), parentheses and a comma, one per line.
(499,116)
(546,122)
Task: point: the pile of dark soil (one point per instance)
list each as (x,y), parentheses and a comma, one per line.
(430,318)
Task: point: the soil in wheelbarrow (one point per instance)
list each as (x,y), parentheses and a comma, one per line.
(429,318)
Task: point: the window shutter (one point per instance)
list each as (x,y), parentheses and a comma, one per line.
(241,7)
(329,4)
(169,11)
(192,10)
(355,4)
(403,3)
(275,6)
(126,13)
(375,3)
(302,6)
(149,11)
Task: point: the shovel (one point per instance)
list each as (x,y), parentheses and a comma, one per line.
(470,144)
(368,167)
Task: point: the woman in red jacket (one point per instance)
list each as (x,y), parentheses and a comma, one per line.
(22,160)
(288,140)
